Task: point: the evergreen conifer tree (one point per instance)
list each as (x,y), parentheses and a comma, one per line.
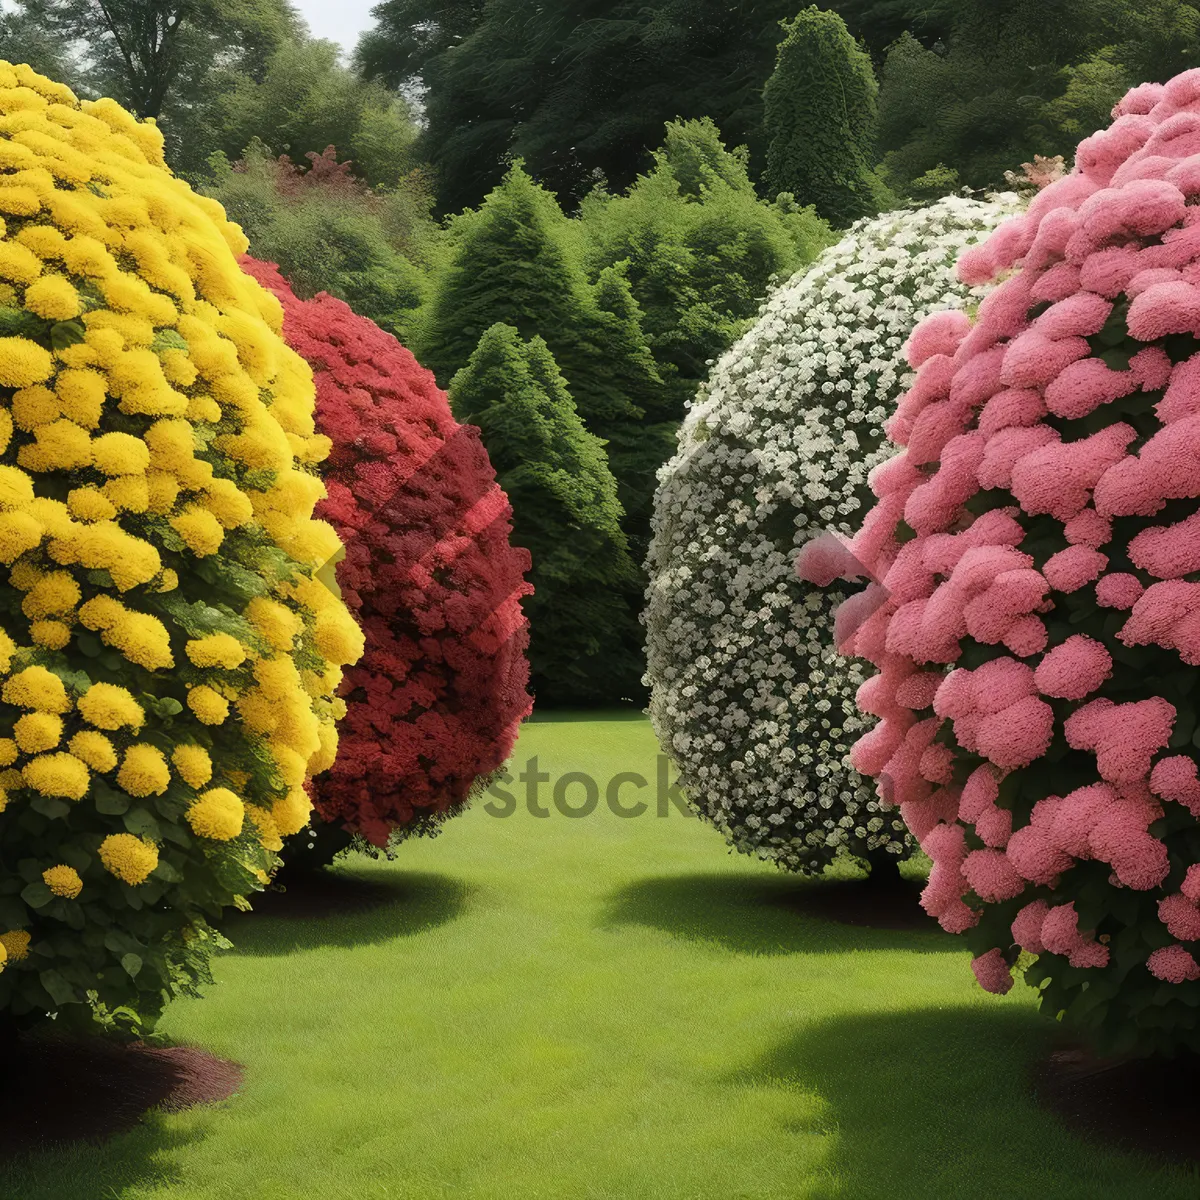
(820,117)
(636,449)
(701,249)
(514,263)
(584,637)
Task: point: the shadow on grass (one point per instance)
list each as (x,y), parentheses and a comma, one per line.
(140,1161)
(337,907)
(542,716)
(936,1104)
(757,914)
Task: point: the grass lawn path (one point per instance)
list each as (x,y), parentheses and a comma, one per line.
(599,1009)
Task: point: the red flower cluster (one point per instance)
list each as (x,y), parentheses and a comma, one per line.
(436,701)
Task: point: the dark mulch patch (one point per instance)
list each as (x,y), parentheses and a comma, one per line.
(323,894)
(895,904)
(1146,1104)
(59,1089)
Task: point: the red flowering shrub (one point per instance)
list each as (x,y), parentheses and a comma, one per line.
(434,705)
(1036,612)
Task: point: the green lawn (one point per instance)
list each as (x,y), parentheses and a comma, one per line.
(600,1008)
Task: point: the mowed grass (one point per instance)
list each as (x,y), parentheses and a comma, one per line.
(600,1008)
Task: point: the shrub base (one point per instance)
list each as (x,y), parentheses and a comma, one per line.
(1143,1104)
(90,1089)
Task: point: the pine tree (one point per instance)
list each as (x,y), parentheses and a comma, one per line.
(701,250)
(820,117)
(583,636)
(514,263)
(636,449)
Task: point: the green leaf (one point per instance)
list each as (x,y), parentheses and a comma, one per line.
(168,339)
(164,706)
(132,965)
(29,869)
(1185,726)
(64,334)
(166,872)
(61,992)
(142,824)
(178,835)
(109,801)
(1117,358)
(89,644)
(36,895)
(50,806)
(117,941)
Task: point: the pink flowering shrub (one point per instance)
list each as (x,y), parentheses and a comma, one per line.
(1034,610)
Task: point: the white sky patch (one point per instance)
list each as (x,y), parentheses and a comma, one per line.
(338,20)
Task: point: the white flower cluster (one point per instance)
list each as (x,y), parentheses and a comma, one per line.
(748,695)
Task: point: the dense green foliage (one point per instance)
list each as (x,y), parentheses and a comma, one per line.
(819,119)
(304,100)
(1021,78)
(514,260)
(700,251)
(328,232)
(583,636)
(970,88)
(579,89)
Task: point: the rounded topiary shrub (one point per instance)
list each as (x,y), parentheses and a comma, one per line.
(748,696)
(169,657)
(434,705)
(1036,616)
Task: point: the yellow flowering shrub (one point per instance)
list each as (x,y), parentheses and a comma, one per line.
(168,653)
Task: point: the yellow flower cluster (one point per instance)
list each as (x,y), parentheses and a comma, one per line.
(63,881)
(217,814)
(108,706)
(15,944)
(157,488)
(129,858)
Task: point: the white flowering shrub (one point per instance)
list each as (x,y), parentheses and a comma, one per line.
(747,693)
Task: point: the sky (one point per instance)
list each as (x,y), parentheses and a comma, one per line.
(338,20)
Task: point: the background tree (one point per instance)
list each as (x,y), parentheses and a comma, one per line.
(163,58)
(700,250)
(24,38)
(1023,77)
(565,512)
(878,23)
(305,100)
(636,447)
(216,74)
(579,90)
(820,120)
(328,232)
(515,260)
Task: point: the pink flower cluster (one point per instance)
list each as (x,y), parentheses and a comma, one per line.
(1116,240)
